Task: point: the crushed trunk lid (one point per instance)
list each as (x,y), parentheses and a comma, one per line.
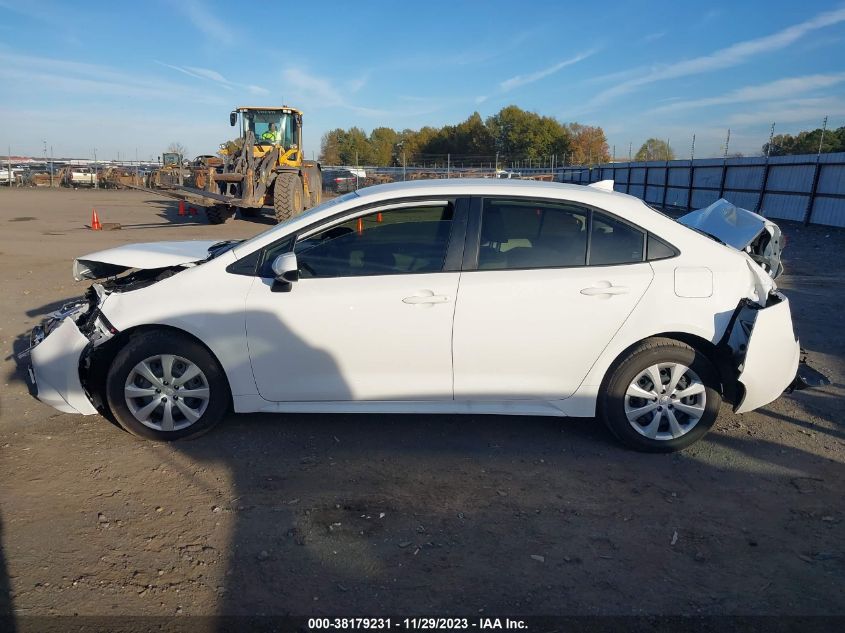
(741,229)
(149,256)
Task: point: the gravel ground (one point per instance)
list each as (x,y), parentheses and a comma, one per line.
(406,514)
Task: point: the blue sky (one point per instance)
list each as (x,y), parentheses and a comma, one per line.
(126,76)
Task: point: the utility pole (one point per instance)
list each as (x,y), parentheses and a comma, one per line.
(727,143)
(448,165)
(10,166)
(821,140)
(630,148)
(404,165)
(496,170)
(96,175)
(51,166)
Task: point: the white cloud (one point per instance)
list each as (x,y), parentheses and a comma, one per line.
(652,37)
(793,111)
(26,74)
(214,76)
(725,57)
(204,20)
(521,80)
(780,89)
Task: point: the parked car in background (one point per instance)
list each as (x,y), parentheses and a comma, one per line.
(10,176)
(340,180)
(443,296)
(82,177)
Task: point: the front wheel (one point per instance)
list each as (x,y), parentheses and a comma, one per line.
(662,397)
(165,386)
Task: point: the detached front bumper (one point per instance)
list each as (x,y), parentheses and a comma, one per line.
(54,367)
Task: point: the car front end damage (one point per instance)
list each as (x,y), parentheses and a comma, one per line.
(68,348)
(59,349)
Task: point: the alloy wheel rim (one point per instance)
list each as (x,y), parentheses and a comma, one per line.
(166,392)
(665,401)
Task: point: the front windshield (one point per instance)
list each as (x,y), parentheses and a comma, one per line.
(271,126)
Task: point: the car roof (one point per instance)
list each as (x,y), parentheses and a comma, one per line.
(622,205)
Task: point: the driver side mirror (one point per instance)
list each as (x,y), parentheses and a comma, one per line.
(285,272)
(233,118)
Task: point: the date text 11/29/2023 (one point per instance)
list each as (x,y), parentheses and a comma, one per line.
(423,623)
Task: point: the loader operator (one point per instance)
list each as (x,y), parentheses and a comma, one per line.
(272,134)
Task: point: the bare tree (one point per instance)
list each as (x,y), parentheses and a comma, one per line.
(177,148)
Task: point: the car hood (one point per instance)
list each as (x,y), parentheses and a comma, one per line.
(741,229)
(114,261)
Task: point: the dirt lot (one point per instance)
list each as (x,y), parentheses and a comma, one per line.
(370,515)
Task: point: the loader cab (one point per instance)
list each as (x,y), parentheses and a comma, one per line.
(270,126)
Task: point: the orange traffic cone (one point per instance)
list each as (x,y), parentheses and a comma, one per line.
(95,221)
(181,207)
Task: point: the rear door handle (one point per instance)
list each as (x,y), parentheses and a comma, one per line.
(426,298)
(604,288)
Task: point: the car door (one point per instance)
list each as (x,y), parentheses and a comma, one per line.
(370,317)
(545,287)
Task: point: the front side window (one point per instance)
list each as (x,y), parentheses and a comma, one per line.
(527,234)
(391,242)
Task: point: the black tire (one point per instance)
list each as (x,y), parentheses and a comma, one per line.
(287,196)
(612,400)
(218,214)
(250,213)
(150,344)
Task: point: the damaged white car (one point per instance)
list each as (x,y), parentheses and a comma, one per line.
(449,296)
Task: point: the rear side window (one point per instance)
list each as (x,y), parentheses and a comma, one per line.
(526,234)
(614,242)
(658,249)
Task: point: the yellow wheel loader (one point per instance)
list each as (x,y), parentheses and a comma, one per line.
(264,165)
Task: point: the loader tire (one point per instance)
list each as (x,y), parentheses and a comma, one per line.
(250,213)
(287,196)
(218,214)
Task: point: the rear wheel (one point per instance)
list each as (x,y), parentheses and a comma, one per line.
(662,397)
(287,196)
(166,386)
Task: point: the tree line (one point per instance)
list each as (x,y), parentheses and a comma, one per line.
(806,142)
(511,137)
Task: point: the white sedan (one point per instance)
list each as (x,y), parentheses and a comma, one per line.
(448,296)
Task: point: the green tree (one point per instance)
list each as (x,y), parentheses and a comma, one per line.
(521,135)
(382,145)
(807,142)
(655,149)
(330,147)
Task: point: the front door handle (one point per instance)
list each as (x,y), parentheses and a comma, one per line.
(425,298)
(604,288)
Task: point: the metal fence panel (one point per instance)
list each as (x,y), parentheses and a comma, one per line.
(828,211)
(785,207)
(832,180)
(806,188)
(790,178)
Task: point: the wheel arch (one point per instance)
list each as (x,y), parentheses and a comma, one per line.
(718,355)
(98,359)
